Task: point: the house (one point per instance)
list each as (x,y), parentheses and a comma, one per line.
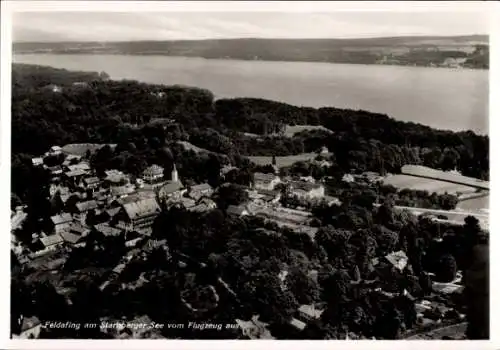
(30,327)
(37,161)
(254,329)
(199,208)
(91,182)
(269,196)
(75,176)
(121,191)
(61,222)
(237,210)
(398,259)
(348,178)
(266,181)
(107,230)
(202,190)
(83,166)
(447,288)
(72,239)
(309,312)
(55,171)
(55,150)
(297,324)
(82,209)
(183,202)
(153,174)
(114,176)
(307,190)
(71,159)
(138,215)
(51,242)
(329,200)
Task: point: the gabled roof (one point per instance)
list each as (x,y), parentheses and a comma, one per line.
(261,177)
(86,206)
(398,259)
(121,190)
(91,180)
(304,185)
(78,229)
(153,170)
(201,187)
(171,187)
(51,240)
(108,230)
(311,311)
(70,237)
(61,219)
(236,209)
(141,208)
(113,211)
(29,323)
(80,166)
(77,172)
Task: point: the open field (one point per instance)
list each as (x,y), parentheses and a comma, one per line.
(283,161)
(189,146)
(80,149)
(291,130)
(401,181)
(448,176)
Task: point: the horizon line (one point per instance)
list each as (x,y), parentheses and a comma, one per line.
(254,38)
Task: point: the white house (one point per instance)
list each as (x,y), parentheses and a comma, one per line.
(266,181)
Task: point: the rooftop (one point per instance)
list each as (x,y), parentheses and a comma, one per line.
(171,187)
(304,185)
(29,322)
(107,230)
(70,237)
(311,311)
(91,180)
(141,208)
(51,240)
(201,187)
(61,218)
(398,259)
(84,166)
(236,209)
(261,177)
(86,206)
(153,170)
(77,172)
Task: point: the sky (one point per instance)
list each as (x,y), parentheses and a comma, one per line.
(115,26)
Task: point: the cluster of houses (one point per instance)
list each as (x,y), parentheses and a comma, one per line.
(114,204)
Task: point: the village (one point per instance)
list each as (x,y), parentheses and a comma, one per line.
(129,207)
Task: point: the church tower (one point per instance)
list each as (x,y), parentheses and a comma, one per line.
(174,176)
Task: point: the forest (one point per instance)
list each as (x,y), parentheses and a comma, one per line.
(144,120)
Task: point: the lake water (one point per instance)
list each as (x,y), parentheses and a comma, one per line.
(439,97)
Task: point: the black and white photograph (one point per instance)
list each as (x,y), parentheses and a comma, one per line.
(247,172)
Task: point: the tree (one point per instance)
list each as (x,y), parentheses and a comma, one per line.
(303,287)
(230,195)
(447,268)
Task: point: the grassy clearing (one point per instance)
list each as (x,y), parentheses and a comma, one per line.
(283,161)
(80,149)
(401,181)
(291,130)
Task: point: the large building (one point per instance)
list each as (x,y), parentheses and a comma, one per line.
(307,190)
(153,174)
(265,181)
(138,215)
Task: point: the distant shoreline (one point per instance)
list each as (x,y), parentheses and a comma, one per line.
(426,51)
(243,59)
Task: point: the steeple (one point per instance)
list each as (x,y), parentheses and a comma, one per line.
(174,176)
